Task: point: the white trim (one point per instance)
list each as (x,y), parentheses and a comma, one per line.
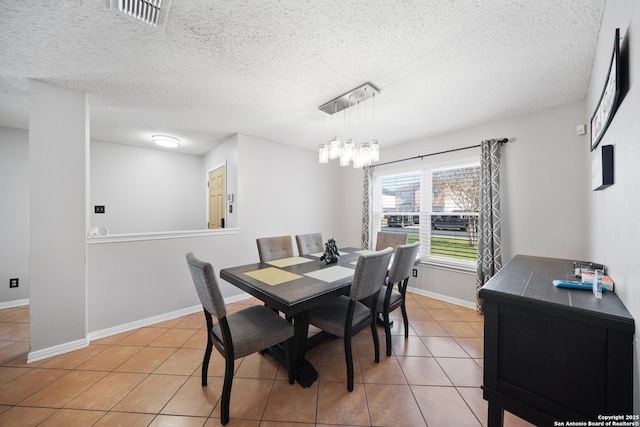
(16,303)
(464,267)
(57,350)
(445,298)
(164,235)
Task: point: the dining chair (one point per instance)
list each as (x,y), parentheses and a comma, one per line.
(385,239)
(309,243)
(389,299)
(270,248)
(345,316)
(236,335)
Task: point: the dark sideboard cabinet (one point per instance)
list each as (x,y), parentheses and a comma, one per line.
(554,355)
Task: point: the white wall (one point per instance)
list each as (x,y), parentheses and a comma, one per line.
(613,234)
(146,190)
(542,193)
(14,214)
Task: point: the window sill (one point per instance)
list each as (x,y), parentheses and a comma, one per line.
(450,266)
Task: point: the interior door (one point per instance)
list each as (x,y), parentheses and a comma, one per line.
(217,193)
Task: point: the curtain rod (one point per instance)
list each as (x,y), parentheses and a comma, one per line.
(501,141)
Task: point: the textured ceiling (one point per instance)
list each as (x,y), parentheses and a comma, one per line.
(263,67)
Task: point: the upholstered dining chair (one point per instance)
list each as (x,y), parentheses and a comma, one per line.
(389,299)
(309,243)
(236,335)
(270,248)
(345,316)
(390,240)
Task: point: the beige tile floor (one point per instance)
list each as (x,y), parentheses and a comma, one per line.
(151,377)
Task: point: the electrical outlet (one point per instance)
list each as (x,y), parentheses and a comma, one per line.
(99,209)
(13,283)
(414,273)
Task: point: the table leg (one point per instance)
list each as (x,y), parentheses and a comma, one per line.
(305,373)
(301,327)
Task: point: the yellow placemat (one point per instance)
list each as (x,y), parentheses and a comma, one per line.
(286,262)
(272,276)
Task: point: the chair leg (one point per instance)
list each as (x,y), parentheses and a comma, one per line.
(376,341)
(387,332)
(205,362)
(406,320)
(226,391)
(349,360)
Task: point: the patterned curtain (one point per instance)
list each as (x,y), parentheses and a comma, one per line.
(489,257)
(365,236)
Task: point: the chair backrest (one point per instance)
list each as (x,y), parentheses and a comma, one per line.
(390,240)
(204,278)
(403,261)
(370,274)
(274,248)
(309,243)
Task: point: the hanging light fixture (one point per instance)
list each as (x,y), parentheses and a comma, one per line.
(360,152)
(335,145)
(375,147)
(349,146)
(323,154)
(323,149)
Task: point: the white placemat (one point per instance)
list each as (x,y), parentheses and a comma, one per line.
(331,274)
(287,262)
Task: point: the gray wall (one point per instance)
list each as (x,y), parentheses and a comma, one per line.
(58,189)
(613,234)
(14,218)
(146,190)
(280,191)
(542,193)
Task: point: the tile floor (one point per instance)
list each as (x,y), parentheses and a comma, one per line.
(151,377)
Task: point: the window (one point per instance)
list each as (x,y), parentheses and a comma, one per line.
(399,209)
(438,207)
(454,213)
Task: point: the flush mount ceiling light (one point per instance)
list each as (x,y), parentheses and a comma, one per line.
(166,141)
(359,148)
(152,12)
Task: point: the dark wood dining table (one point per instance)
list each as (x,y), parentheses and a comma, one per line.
(293,286)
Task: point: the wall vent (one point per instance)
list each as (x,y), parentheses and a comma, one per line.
(152,12)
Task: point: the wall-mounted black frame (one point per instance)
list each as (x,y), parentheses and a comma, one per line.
(608,102)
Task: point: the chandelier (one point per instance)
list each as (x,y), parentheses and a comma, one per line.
(357,148)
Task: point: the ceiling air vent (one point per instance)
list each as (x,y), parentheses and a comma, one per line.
(152,12)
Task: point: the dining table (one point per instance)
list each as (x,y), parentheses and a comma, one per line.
(293,285)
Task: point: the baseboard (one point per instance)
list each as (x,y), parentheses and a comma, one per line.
(445,298)
(57,350)
(16,303)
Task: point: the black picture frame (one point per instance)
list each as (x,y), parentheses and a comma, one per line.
(608,103)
